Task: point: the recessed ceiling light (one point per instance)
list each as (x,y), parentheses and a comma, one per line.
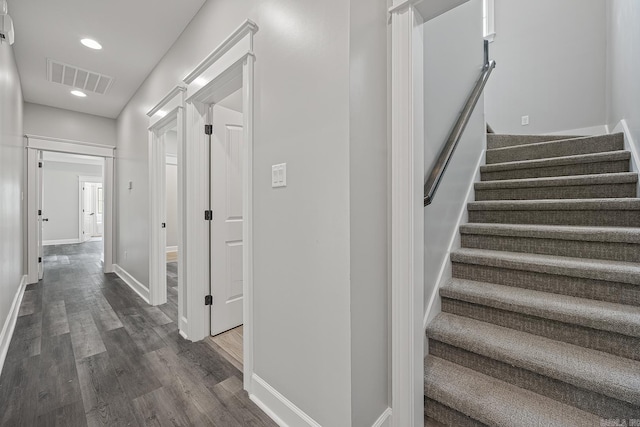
(78,93)
(91,44)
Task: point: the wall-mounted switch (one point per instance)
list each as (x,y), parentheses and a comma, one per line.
(525,120)
(279,175)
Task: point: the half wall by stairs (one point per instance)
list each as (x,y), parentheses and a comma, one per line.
(540,325)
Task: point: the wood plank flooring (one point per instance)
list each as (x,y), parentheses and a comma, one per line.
(87,351)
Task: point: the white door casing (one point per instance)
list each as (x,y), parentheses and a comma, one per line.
(88,214)
(227,146)
(229,67)
(167,115)
(43,143)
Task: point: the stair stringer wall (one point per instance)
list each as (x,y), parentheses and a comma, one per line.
(433,306)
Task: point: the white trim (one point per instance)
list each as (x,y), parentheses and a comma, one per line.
(278,407)
(68,146)
(56,157)
(81,181)
(182,329)
(229,66)
(168,99)
(33,222)
(629,145)
(131,281)
(384,420)
(407,217)
(247,27)
(9,325)
(592,130)
(444,275)
(172,249)
(60,242)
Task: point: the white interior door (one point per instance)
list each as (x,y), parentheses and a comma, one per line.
(40,192)
(88,214)
(99,210)
(226,228)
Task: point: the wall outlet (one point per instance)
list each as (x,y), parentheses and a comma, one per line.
(279,175)
(525,120)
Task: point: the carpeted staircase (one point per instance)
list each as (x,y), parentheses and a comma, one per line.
(540,325)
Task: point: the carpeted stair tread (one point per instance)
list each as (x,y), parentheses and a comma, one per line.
(558,161)
(559,148)
(601,179)
(600,372)
(558,232)
(494,402)
(605,270)
(606,316)
(621,204)
(506,140)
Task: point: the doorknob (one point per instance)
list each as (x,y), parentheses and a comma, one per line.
(45,219)
(92,213)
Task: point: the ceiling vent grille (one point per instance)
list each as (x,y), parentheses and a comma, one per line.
(68,75)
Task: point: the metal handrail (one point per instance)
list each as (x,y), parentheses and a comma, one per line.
(438,170)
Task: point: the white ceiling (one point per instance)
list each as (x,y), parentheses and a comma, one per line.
(135,35)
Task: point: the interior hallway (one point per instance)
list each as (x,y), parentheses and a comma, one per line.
(88,351)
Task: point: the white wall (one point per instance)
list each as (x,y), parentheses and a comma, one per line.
(550,59)
(453,62)
(61,199)
(54,122)
(368,206)
(12,171)
(172,204)
(623,65)
(302,300)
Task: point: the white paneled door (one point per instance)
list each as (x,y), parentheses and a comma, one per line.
(226,229)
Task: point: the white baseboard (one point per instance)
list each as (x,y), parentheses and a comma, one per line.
(60,242)
(279,408)
(172,249)
(183,326)
(592,130)
(629,145)
(444,275)
(384,420)
(137,287)
(10,322)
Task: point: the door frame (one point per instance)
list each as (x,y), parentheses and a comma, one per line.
(81,181)
(407,214)
(166,114)
(35,144)
(218,75)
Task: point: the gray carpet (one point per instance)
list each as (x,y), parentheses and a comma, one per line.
(540,324)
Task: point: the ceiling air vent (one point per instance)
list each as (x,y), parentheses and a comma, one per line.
(75,77)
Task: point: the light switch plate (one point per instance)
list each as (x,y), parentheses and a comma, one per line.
(525,120)
(279,175)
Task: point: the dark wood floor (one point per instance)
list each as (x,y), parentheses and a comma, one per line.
(88,351)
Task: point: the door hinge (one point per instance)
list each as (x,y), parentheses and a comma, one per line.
(208,129)
(208,215)
(208,300)
(39,259)
(39,212)
(39,164)
(164,225)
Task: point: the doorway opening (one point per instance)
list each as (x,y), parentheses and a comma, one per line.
(226,164)
(71,212)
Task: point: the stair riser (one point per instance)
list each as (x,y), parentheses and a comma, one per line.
(603,218)
(620,293)
(502,141)
(560,192)
(555,149)
(447,416)
(545,246)
(609,342)
(569,394)
(565,170)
